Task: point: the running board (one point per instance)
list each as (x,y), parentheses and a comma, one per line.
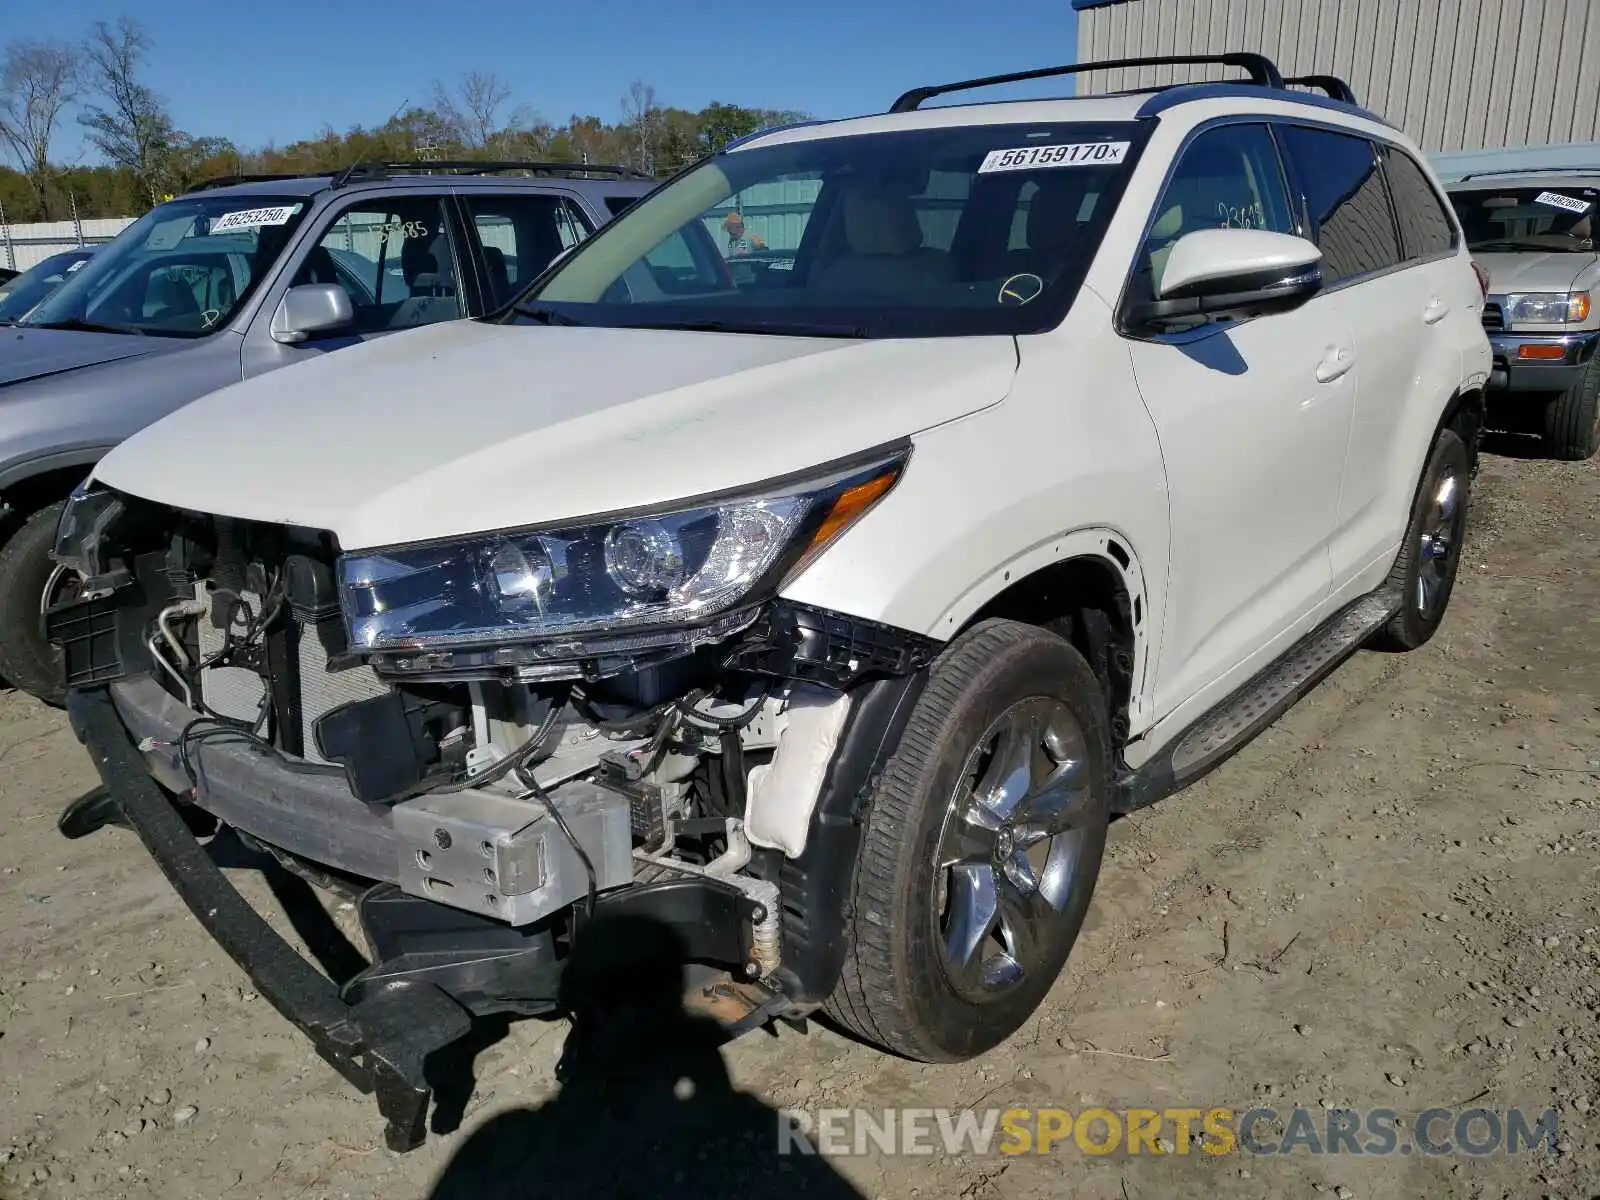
(1225,730)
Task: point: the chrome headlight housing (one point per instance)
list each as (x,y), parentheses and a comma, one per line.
(678,566)
(1548,308)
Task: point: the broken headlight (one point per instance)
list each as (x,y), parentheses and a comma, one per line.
(674,566)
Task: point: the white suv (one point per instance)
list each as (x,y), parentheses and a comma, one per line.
(808,589)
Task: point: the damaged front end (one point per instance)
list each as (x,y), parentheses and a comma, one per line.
(494,743)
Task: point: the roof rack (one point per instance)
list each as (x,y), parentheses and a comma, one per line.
(1331,84)
(221,181)
(1261,69)
(378,170)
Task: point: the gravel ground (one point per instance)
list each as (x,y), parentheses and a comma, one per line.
(1390,900)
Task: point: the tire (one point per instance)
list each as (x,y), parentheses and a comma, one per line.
(1424,572)
(1572,419)
(902,987)
(26,659)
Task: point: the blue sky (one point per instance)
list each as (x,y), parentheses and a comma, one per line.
(255,72)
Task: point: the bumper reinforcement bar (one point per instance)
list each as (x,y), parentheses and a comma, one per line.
(378,1043)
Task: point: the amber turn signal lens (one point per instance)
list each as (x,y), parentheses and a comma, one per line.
(849,508)
(1537,351)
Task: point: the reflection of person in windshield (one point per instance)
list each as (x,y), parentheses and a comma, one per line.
(740,242)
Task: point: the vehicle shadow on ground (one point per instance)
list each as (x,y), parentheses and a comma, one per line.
(646,1106)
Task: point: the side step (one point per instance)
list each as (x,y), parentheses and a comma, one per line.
(1225,730)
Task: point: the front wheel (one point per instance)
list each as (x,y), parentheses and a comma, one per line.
(1572,420)
(982,845)
(30,584)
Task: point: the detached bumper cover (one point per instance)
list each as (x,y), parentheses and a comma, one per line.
(378,1043)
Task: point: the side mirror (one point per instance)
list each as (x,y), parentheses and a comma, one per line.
(310,309)
(1232,274)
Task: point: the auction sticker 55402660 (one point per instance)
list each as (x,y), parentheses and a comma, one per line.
(1073,154)
(1557,200)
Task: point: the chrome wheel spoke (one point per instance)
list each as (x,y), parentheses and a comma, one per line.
(1010,772)
(1058,806)
(974,908)
(1024,924)
(970,837)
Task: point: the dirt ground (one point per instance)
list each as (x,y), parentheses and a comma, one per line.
(1391,899)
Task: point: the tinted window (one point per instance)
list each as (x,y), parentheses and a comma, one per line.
(1228,178)
(615,204)
(394,258)
(1343,194)
(521,235)
(1425,227)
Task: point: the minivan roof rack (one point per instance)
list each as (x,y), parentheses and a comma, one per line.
(1331,84)
(377,170)
(1259,67)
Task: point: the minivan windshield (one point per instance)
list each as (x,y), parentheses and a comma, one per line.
(181,270)
(1558,217)
(926,232)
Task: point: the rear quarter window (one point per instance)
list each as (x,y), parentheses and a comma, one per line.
(1426,229)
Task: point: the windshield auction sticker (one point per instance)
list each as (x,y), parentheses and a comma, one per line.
(1557,200)
(254,218)
(1075,154)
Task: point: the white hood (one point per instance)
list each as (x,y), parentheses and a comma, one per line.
(464,427)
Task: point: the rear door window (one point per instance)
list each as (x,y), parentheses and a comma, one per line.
(521,235)
(1426,229)
(1346,206)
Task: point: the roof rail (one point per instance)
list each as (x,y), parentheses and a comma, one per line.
(358,171)
(1261,69)
(766,129)
(222,181)
(1331,84)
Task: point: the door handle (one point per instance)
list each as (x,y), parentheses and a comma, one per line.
(1435,312)
(1334,364)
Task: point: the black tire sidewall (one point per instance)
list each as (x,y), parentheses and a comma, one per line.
(1411,628)
(951,1025)
(27,659)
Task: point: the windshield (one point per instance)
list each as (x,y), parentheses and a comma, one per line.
(181,270)
(38,281)
(1559,218)
(932,232)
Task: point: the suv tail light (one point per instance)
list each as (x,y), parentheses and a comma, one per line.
(1483,278)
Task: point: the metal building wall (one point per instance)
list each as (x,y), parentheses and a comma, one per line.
(1455,74)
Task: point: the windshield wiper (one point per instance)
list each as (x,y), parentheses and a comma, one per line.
(1513,244)
(82,326)
(545,316)
(780,327)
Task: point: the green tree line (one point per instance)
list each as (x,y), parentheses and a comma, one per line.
(98,85)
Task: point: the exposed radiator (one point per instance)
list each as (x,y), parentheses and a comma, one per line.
(237,692)
(322,690)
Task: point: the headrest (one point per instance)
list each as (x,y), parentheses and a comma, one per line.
(880,222)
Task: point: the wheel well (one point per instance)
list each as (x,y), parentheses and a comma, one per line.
(1086,601)
(31,494)
(1466,414)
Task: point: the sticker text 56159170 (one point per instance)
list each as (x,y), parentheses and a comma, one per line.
(1074,154)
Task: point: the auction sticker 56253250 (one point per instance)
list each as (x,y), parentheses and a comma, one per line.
(1073,154)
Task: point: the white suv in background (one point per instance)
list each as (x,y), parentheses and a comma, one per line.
(816,604)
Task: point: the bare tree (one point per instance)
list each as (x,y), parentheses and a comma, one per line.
(645,119)
(132,128)
(37,81)
(472,111)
